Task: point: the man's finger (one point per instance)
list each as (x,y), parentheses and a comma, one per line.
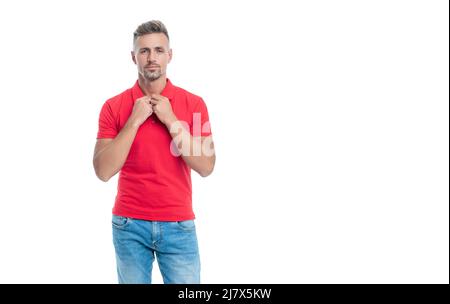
(155,101)
(144,99)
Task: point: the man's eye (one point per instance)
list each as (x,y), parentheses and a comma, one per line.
(160,51)
(143,51)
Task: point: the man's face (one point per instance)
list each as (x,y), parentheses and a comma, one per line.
(151,55)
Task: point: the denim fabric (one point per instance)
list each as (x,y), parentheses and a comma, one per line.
(174,244)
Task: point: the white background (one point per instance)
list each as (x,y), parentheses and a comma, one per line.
(330,120)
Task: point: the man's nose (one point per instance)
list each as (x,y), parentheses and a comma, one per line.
(151,56)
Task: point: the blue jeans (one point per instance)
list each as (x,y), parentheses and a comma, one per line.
(175,244)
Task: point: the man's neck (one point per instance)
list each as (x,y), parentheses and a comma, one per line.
(152,87)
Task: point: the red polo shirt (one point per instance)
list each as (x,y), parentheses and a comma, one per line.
(153,183)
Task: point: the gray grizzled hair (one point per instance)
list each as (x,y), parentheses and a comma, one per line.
(153,26)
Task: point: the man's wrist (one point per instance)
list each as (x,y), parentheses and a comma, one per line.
(172,119)
(132,124)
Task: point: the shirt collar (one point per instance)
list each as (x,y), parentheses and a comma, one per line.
(168,91)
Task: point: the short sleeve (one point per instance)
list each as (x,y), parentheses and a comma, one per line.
(200,120)
(106,123)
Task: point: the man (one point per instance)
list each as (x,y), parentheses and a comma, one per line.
(154,133)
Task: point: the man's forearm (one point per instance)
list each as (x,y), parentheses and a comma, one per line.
(191,148)
(110,159)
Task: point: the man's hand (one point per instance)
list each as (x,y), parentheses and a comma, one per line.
(162,108)
(142,109)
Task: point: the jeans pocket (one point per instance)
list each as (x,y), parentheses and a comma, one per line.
(120,222)
(188,225)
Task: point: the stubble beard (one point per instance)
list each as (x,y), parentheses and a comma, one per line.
(152,75)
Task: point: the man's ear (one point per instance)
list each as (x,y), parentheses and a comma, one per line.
(170,55)
(133,57)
